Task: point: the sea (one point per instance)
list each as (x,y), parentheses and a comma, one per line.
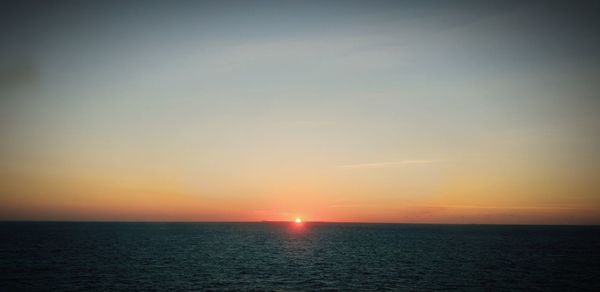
(282,256)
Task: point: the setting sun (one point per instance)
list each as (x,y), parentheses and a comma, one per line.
(298,220)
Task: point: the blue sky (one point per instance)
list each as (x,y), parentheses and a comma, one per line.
(395,103)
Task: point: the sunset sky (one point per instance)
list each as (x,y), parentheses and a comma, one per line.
(362,111)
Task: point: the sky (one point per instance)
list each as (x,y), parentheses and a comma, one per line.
(354,111)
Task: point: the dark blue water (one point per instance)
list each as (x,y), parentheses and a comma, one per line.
(282,256)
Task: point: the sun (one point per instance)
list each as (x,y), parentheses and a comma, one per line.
(298,220)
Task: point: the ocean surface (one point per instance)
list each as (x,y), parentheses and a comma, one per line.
(290,257)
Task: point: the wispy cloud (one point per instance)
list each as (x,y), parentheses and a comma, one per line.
(357,205)
(391,164)
(310,123)
(510,207)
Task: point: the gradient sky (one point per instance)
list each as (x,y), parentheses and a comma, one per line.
(371,111)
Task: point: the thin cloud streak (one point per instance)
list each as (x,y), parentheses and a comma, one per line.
(391,164)
(510,207)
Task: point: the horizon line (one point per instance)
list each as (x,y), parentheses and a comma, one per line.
(290,221)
